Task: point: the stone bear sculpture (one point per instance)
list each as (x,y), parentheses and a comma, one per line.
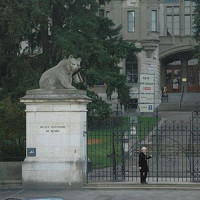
(60,76)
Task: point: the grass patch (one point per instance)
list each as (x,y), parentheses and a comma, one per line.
(145,126)
(104,141)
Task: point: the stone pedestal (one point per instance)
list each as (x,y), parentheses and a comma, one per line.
(55,139)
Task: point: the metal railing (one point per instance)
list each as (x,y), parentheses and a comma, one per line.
(181,99)
(12,148)
(113,149)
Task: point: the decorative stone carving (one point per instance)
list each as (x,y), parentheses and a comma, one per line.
(60,76)
(149,46)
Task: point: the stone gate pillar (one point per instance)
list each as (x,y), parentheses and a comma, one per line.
(55,140)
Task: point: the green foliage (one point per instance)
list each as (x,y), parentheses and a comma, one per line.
(145,126)
(197,31)
(104,136)
(75,30)
(98,107)
(101,142)
(59,28)
(12,130)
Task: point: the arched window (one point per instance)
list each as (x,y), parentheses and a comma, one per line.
(192,62)
(131,71)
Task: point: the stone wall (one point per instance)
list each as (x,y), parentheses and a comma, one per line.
(10,171)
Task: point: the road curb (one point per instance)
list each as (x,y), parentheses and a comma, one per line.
(136,186)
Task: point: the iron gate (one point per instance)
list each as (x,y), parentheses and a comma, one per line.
(114,145)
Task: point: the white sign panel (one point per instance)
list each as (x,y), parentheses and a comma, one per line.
(147,78)
(147,98)
(146,107)
(146,89)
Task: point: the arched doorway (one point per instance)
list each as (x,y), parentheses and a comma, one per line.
(179,72)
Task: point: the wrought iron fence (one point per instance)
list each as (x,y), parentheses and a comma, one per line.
(195,148)
(114,148)
(12,148)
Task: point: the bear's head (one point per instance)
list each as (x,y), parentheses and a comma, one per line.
(75,64)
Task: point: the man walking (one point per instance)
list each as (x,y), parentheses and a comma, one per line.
(143,167)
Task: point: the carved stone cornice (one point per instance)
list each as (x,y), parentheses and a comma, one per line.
(150,46)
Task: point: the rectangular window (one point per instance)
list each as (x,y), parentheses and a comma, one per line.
(154,20)
(108,14)
(131,72)
(169,25)
(193,7)
(176,25)
(187,25)
(131,21)
(176,10)
(169,10)
(187,6)
(193,25)
(101,13)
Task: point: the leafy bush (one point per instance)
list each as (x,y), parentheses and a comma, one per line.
(12,130)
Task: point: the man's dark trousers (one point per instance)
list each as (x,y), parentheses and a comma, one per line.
(143,176)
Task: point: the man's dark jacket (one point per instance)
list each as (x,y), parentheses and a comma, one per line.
(143,162)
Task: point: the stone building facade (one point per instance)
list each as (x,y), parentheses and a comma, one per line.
(163,28)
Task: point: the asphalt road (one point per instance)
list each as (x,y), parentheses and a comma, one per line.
(99,194)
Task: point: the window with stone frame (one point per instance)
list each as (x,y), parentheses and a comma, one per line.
(189,12)
(131,21)
(187,19)
(169,25)
(173,20)
(101,12)
(108,14)
(131,71)
(154,20)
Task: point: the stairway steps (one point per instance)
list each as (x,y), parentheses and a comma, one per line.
(189,102)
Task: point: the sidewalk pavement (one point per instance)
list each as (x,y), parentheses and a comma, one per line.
(24,194)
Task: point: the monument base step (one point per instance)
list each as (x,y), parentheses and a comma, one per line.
(53,174)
